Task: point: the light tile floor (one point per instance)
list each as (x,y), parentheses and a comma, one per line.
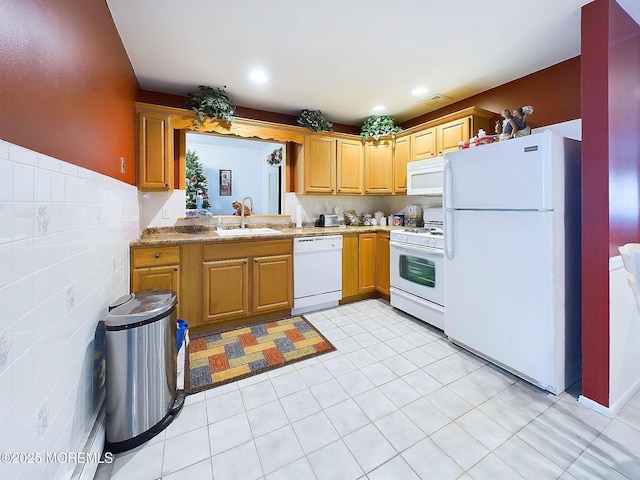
(396,400)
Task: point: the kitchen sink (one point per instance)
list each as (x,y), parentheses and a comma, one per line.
(243,232)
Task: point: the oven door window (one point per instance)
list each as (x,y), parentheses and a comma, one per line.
(417,270)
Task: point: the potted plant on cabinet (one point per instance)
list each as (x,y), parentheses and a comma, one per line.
(314,121)
(377,126)
(211,102)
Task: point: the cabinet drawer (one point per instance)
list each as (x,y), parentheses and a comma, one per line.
(152,257)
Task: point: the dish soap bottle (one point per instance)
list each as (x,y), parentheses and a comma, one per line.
(220,225)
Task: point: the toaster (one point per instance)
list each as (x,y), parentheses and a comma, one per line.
(329,221)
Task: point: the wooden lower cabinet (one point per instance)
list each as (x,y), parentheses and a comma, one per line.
(350,286)
(272,283)
(156,268)
(383,281)
(358,264)
(245,279)
(147,278)
(226,289)
(366,262)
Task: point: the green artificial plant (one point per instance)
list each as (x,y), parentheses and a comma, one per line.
(377,126)
(314,121)
(211,102)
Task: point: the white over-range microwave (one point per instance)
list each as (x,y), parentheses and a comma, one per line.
(425,177)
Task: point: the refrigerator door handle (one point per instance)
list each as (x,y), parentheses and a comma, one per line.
(447,184)
(448,208)
(448,233)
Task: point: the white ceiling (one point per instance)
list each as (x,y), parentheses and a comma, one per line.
(343,57)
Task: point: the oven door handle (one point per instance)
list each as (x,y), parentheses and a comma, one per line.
(416,248)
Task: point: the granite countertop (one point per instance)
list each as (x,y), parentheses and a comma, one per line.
(194,234)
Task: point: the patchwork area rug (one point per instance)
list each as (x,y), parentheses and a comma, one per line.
(221,357)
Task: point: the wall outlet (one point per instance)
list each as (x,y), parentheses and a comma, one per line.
(166,213)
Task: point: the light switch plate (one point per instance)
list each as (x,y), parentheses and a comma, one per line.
(122,164)
(166,213)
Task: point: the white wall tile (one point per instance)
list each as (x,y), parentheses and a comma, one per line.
(22,259)
(22,155)
(8,308)
(64,237)
(23,220)
(22,183)
(6,264)
(57,187)
(41,185)
(6,222)
(4,150)
(70,189)
(49,163)
(6,180)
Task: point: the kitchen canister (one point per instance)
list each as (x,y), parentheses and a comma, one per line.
(398,220)
(414,210)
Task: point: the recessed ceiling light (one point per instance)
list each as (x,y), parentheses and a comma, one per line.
(419,90)
(378,108)
(258,76)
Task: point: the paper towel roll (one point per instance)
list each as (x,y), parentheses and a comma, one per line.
(298,216)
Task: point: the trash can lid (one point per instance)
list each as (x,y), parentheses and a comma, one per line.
(141,306)
(119,301)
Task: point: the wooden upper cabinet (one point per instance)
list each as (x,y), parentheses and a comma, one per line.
(424,144)
(155,151)
(319,164)
(378,167)
(450,134)
(350,166)
(443,135)
(401,156)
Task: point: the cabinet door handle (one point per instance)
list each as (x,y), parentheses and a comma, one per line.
(157,255)
(175,269)
(166,185)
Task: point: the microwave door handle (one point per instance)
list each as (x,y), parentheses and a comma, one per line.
(448,209)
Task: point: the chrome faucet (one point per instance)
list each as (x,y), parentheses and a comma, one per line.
(242,223)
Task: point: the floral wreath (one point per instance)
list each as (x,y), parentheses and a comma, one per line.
(275,158)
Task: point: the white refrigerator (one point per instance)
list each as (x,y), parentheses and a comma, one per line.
(512,256)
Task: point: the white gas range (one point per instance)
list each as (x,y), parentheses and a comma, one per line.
(417,272)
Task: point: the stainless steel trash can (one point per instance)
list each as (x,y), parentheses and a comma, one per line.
(141,368)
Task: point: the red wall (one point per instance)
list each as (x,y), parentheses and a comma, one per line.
(67,88)
(553,92)
(611,172)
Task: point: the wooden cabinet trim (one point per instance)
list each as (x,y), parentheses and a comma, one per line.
(230,250)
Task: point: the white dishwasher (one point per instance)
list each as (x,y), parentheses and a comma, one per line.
(317,273)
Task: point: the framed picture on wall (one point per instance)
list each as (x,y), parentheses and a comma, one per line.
(225,183)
